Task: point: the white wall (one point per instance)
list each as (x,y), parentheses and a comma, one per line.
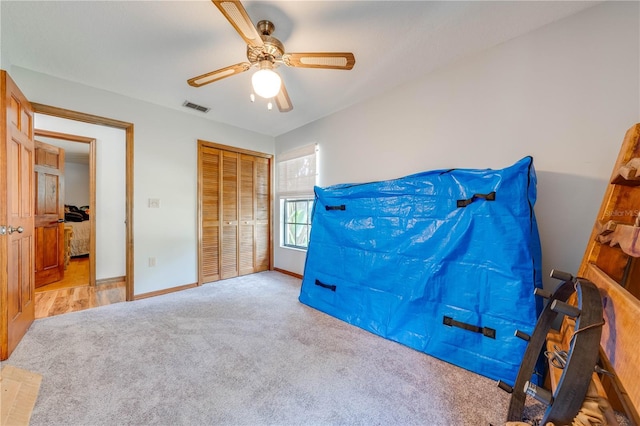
(76,184)
(5,61)
(165,167)
(564,94)
(110,211)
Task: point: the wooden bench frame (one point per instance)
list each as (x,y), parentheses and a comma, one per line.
(612,264)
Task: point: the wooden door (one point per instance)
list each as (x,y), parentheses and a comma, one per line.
(49,208)
(262,214)
(209,208)
(247,217)
(234,200)
(229,208)
(253,228)
(16,216)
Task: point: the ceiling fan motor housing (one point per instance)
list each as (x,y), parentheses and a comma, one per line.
(272,48)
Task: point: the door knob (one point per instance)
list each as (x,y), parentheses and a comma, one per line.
(11,229)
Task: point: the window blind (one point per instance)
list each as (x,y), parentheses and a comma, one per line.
(297,171)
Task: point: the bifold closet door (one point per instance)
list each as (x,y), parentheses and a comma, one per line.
(253,214)
(262,242)
(229,240)
(235,213)
(209,178)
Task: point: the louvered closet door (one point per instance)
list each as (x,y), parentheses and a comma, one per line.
(229,241)
(247,215)
(234,198)
(262,214)
(254,215)
(210,214)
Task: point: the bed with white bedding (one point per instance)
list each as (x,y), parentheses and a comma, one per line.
(78,219)
(80,237)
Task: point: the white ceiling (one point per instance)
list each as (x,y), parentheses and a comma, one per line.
(148,49)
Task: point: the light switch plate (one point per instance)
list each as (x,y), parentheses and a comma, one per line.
(154,203)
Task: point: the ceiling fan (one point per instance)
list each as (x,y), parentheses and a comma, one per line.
(266,53)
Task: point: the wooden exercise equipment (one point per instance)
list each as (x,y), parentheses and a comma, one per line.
(611,267)
(612,262)
(576,363)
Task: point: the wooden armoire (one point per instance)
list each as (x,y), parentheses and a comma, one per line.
(234,212)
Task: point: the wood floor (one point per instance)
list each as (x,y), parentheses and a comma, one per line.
(73,292)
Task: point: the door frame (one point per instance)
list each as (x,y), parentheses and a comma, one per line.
(92,189)
(128,128)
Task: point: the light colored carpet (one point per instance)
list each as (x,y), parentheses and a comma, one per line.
(241,351)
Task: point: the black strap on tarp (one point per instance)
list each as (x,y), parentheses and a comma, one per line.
(340,207)
(327,286)
(489,197)
(485,331)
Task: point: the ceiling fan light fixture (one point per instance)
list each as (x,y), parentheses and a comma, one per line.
(265,81)
(266,53)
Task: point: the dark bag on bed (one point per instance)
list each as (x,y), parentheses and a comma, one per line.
(73,217)
(74,214)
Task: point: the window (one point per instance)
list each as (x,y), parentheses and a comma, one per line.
(297,223)
(296,179)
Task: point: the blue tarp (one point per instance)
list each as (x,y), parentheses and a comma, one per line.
(443,261)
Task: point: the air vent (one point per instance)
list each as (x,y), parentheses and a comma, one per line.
(196,107)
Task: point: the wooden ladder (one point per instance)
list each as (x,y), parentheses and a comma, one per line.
(612,262)
(609,318)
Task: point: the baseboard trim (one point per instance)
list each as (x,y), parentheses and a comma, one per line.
(188,286)
(112,280)
(284,271)
(164,291)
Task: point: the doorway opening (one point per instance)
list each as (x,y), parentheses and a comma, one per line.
(72,286)
(128,193)
(77,192)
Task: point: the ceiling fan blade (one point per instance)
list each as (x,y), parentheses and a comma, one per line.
(238,17)
(282,100)
(327,60)
(216,75)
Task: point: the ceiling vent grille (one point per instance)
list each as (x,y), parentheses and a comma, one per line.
(196,107)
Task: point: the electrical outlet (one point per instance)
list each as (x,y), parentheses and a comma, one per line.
(152,262)
(154,203)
